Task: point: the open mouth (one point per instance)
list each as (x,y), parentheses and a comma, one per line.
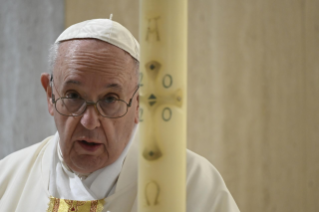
(90,146)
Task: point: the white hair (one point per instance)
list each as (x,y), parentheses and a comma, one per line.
(53,54)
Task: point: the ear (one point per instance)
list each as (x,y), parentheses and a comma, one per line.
(45,81)
(136,120)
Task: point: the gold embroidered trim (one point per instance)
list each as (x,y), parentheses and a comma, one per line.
(65,205)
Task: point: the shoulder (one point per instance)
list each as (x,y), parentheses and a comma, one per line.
(201,173)
(195,162)
(19,163)
(206,189)
(23,155)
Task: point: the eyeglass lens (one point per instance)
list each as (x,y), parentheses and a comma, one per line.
(73,107)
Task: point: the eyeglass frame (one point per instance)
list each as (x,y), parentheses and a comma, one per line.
(88,103)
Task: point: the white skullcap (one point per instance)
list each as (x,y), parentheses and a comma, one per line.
(105,30)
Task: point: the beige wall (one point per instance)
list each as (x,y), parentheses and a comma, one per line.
(261,65)
(253,94)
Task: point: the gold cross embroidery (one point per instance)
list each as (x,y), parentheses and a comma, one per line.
(64,205)
(74,205)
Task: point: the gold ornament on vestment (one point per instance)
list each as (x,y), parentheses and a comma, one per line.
(64,205)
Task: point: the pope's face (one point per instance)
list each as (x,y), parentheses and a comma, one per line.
(93,70)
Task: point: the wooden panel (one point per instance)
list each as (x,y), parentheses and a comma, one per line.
(249,77)
(253,94)
(312,104)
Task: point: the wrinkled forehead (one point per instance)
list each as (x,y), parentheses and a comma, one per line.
(70,48)
(86,54)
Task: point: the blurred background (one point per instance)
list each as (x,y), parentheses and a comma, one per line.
(253,91)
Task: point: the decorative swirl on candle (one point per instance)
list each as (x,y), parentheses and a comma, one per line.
(152,152)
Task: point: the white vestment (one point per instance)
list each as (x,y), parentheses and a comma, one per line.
(66,184)
(25,179)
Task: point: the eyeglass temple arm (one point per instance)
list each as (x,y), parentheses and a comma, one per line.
(130,102)
(52,95)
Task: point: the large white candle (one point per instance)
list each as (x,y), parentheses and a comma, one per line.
(163,79)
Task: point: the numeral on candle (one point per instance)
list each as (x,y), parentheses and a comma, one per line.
(167,81)
(167,114)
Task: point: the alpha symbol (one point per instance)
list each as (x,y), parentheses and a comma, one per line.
(152,28)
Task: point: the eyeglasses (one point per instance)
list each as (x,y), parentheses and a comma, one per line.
(74,105)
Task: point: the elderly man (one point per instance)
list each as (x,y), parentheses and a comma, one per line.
(90,164)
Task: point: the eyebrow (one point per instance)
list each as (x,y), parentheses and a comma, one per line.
(111,85)
(70,82)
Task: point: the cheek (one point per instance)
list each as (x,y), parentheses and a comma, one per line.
(61,122)
(65,126)
(110,129)
(128,125)
(51,108)
(115,131)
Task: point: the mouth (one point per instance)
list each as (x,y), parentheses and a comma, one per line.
(89,146)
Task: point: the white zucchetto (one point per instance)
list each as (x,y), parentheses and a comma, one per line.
(105,30)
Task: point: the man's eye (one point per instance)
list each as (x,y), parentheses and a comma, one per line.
(72,95)
(109,99)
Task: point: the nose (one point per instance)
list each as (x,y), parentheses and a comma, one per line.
(90,119)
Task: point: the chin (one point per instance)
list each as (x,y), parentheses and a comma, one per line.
(86,164)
